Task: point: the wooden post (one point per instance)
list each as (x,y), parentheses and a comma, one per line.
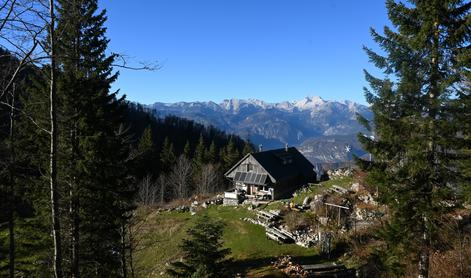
(338,222)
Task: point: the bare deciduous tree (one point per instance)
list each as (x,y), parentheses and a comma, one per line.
(56,227)
(180,177)
(162,182)
(209,179)
(22,27)
(148,191)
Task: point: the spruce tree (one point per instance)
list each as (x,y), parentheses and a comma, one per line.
(187,150)
(167,156)
(200,154)
(230,155)
(413,159)
(146,158)
(248,148)
(146,144)
(95,148)
(212,153)
(33,244)
(204,255)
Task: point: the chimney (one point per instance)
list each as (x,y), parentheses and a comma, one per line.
(260,147)
(286,147)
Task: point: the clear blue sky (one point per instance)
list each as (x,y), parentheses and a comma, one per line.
(272,50)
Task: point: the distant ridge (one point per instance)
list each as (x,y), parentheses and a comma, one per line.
(273,125)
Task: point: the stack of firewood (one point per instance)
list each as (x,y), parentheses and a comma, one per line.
(288,267)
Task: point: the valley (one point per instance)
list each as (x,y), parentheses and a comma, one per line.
(321,128)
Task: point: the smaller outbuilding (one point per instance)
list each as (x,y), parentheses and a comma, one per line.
(269,175)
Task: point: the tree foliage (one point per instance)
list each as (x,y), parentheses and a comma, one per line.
(204,255)
(416,127)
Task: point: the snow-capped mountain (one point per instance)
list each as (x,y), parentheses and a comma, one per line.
(275,124)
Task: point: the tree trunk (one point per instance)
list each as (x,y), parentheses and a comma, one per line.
(424,256)
(131,252)
(74,203)
(11,207)
(123,250)
(56,228)
(74,194)
(73,208)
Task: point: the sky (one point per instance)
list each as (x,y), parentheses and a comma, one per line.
(273,50)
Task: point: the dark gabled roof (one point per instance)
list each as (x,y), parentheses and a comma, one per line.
(282,163)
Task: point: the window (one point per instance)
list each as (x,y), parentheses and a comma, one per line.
(249,167)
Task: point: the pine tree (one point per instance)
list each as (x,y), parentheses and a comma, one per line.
(464,118)
(96,148)
(212,153)
(414,128)
(204,255)
(231,154)
(32,195)
(167,156)
(146,161)
(187,150)
(200,154)
(146,143)
(248,148)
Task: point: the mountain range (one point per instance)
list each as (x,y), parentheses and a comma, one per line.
(321,129)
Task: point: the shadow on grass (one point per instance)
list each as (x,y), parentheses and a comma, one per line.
(244,266)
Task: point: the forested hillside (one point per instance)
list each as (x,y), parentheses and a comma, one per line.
(76,158)
(178,157)
(148,159)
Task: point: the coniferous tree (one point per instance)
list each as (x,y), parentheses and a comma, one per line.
(462,110)
(200,154)
(33,245)
(146,163)
(414,162)
(212,153)
(464,118)
(94,145)
(146,143)
(204,254)
(248,148)
(167,155)
(187,150)
(230,155)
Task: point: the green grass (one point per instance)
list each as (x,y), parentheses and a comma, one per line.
(159,235)
(276,205)
(319,188)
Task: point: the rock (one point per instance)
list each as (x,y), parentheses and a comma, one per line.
(195,203)
(182,208)
(306,201)
(367,199)
(323,220)
(204,205)
(341,172)
(356,187)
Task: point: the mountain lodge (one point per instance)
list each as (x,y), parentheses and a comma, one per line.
(269,175)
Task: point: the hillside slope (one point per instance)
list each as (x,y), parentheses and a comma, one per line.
(158,235)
